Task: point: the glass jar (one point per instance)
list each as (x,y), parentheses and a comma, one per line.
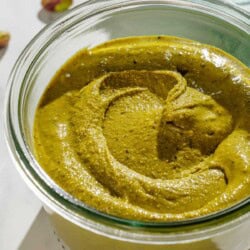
(89,24)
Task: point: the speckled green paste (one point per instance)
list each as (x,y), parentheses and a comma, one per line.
(148,128)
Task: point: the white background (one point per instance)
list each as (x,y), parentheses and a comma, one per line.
(19,207)
(23,225)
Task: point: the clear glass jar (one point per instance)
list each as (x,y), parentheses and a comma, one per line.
(211,22)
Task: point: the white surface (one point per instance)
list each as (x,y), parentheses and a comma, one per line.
(23,225)
(18,205)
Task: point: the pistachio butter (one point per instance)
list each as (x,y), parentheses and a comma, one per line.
(148,128)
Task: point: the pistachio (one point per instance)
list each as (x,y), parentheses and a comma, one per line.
(4,39)
(56,5)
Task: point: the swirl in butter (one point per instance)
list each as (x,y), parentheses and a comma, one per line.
(148,128)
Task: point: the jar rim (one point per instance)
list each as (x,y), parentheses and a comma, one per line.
(56,198)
